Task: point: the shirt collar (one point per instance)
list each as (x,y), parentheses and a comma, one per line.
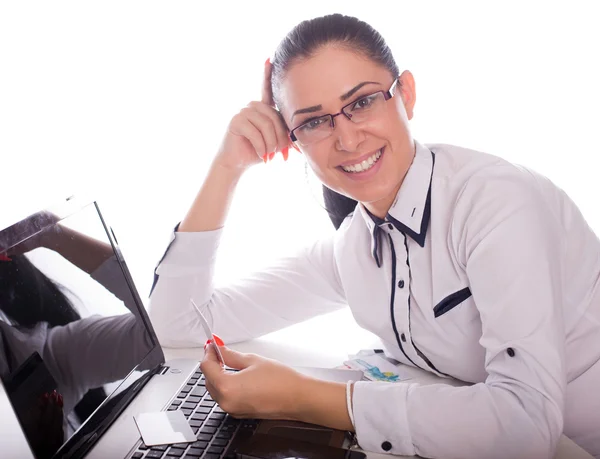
(411,209)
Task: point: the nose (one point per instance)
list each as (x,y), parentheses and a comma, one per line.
(348,135)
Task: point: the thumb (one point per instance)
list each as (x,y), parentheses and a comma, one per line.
(234,359)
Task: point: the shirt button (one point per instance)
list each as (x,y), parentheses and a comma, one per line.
(511,352)
(390,226)
(401,284)
(386,446)
(403,337)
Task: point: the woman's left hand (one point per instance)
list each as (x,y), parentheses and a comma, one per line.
(262,388)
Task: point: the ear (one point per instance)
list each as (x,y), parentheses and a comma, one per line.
(407,92)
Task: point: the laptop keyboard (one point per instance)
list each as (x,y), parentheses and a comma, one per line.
(217,433)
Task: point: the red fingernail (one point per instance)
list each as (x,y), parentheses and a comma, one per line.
(271,156)
(208,341)
(218,340)
(60,402)
(4,257)
(268,61)
(285,152)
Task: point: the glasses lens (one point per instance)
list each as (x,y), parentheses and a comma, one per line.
(314,130)
(365,107)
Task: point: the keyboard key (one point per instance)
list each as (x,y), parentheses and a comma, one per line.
(209,403)
(137,455)
(142,447)
(186,389)
(220,442)
(159,448)
(176,402)
(211,456)
(154,454)
(199,416)
(172,408)
(195,423)
(182,395)
(195,430)
(217,416)
(187,412)
(203,409)
(202,382)
(213,423)
(175,452)
(198,374)
(180,445)
(208,430)
(194,398)
(218,409)
(200,444)
(208,397)
(189,405)
(204,437)
(215,449)
(225,435)
(199,391)
(195,452)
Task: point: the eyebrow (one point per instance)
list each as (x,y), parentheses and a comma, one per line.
(345,96)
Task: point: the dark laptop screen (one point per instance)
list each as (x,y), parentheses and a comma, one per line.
(75,340)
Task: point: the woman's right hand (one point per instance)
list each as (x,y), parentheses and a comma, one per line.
(256,133)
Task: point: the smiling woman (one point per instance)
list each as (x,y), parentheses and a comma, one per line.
(462,263)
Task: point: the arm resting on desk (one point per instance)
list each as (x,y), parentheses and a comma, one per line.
(293,290)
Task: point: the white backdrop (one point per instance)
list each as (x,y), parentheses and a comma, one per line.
(129,100)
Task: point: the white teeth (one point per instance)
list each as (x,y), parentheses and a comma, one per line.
(364,165)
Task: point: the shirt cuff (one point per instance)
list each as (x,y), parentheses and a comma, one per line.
(380,417)
(190,253)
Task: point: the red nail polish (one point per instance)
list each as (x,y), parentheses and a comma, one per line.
(208,341)
(265,157)
(271,156)
(285,152)
(60,401)
(218,340)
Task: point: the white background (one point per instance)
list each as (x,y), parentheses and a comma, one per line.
(129,100)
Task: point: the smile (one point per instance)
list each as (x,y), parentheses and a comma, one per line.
(364,165)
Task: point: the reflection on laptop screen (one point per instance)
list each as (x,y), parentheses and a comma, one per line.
(75,342)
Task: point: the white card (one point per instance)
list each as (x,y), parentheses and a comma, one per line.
(208,331)
(164,428)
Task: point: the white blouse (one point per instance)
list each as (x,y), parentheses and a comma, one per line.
(482,270)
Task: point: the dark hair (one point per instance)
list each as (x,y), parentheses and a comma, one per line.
(303,41)
(28,296)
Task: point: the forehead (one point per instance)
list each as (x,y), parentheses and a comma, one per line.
(323,78)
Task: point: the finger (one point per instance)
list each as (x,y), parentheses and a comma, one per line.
(253,135)
(267,91)
(236,360)
(281,130)
(266,127)
(210,365)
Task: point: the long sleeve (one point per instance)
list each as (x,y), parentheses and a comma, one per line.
(290,291)
(508,242)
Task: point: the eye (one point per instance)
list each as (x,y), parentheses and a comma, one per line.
(313,124)
(364,102)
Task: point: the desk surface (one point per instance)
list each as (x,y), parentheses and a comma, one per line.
(291,347)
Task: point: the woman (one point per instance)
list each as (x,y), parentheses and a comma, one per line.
(463,264)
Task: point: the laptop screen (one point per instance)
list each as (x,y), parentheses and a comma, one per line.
(76,344)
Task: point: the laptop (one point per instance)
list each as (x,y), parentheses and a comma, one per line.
(79,359)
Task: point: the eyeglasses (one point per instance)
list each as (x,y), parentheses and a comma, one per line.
(363,109)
